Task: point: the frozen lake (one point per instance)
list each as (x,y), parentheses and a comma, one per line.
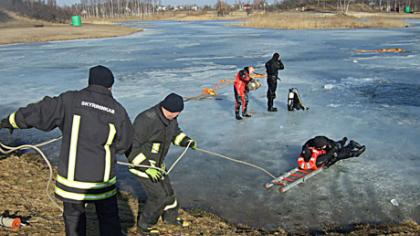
(372,98)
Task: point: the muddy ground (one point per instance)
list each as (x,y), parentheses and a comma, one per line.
(23,191)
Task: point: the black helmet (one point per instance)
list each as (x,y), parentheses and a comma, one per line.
(320,141)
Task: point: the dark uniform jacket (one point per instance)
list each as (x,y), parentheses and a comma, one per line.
(331,149)
(153,134)
(272,67)
(95,127)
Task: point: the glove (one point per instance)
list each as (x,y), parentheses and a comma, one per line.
(5,124)
(154,174)
(193,144)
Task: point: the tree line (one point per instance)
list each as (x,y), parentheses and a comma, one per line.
(49,11)
(38,9)
(343,5)
(337,5)
(117,8)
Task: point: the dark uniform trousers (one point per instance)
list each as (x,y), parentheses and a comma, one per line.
(271,92)
(160,201)
(342,153)
(106,210)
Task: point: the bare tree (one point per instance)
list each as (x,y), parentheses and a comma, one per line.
(222,8)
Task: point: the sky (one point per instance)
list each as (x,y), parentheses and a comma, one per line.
(164,2)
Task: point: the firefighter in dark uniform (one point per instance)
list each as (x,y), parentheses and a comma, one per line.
(154,131)
(273,66)
(240,89)
(321,151)
(95,127)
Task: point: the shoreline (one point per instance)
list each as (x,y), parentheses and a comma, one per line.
(24,191)
(48,33)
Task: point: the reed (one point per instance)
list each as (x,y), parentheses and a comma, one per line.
(320,21)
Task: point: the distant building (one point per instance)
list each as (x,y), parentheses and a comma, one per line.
(162,8)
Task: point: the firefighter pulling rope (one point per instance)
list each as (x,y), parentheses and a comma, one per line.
(4,149)
(8,149)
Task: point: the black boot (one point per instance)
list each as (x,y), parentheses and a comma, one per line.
(358,151)
(270,103)
(342,142)
(150,231)
(246,114)
(354,144)
(237,116)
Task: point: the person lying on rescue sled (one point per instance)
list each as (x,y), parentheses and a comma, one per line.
(321,151)
(154,130)
(240,88)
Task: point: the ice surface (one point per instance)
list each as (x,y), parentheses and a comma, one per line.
(375,101)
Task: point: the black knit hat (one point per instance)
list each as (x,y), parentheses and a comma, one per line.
(101,75)
(173,103)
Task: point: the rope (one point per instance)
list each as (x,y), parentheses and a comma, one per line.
(154,167)
(36,148)
(237,161)
(8,149)
(179,158)
(145,166)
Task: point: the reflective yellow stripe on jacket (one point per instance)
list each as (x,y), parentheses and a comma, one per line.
(84,197)
(73,147)
(138,173)
(179,138)
(72,187)
(85,185)
(12,120)
(136,161)
(111,136)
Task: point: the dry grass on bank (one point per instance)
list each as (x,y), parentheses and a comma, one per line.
(320,21)
(12,20)
(27,34)
(172,16)
(281,20)
(19,29)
